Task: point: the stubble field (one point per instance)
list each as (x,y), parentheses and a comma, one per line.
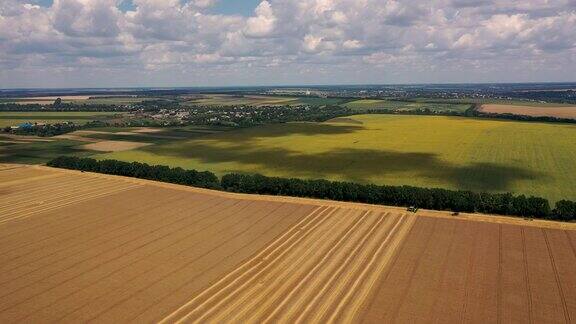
(389,105)
(78,247)
(535,111)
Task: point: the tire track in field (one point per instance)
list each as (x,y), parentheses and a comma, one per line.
(363,285)
(249,265)
(69,227)
(307,276)
(72,252)
(334,259)
(76,200)
(25,190)
(46,188)
(442,279)
(63,237)
(471,263)
(313,296)
(556,277)
(267,212)
(77,276)
(30,179)
(527,277)
(6,167)
(182,288)
(62,196)
(98,256)
(224,294)
(571,243)
(239,307)
(499,293)
(26,194)
(300,259)
(49,189)
(135,262)
(67,222)
(53,192)
(70,199)
(413,271)
(122,245)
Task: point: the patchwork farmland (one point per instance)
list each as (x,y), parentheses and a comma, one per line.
(534,111)
(79,247)
(14,118)
(424,151)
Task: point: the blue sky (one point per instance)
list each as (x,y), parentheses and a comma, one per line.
(90,43)
(242,7)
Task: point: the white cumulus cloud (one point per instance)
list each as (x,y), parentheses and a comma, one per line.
(379,40)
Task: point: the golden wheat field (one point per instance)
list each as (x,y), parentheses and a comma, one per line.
(82,247)
(535,111)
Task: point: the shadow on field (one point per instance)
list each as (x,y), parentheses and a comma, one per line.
(39,152)
(357,165)
(281,130)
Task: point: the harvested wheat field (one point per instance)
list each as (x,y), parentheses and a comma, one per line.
(535,111)
(79,247)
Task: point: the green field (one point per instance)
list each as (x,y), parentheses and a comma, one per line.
(114,100)
(37,152)
(427,151)
(233,100)
(96,100)
(376,104)
(164,135)
(319,101)
(12,118)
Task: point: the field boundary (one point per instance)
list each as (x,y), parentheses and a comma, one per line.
(499,219)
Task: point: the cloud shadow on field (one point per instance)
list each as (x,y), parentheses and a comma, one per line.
(286,129)
(356,165)
(39,152)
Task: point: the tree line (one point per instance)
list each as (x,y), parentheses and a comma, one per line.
(475,111)
(428,198)
(48,130)
(139,170)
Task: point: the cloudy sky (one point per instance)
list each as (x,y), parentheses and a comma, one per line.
(106,43)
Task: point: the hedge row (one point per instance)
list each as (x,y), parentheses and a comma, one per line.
(140,170)
(429,198)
